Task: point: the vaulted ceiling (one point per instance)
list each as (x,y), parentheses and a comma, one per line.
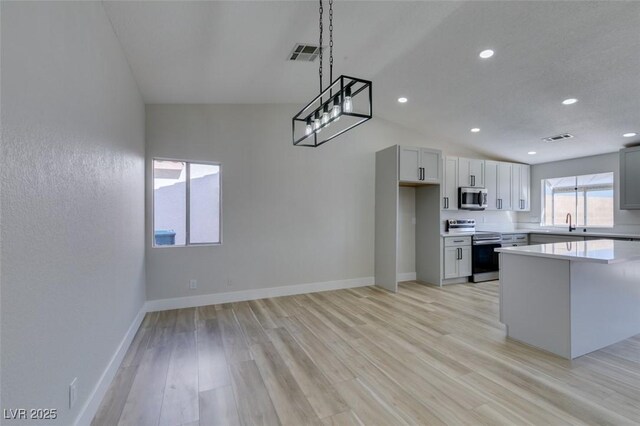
(545,52)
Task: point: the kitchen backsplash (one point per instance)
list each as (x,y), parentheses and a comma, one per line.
(485,220)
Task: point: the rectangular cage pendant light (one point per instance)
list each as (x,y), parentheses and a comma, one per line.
(345,104)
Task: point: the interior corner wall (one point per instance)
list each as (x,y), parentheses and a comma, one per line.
(72,173)
(290,215)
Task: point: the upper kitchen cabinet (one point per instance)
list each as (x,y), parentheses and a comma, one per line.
(450,183)
(630,178)
(470,172)
(498,179)
(521,188)
(419,165)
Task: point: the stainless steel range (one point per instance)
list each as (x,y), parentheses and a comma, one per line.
(461,226)
(485,261)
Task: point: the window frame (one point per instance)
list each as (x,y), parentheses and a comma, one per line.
(585,190)
(188,242)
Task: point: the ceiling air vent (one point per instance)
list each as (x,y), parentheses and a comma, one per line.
(304,52)
(557,138)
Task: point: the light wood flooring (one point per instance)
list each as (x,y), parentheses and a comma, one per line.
(362,356)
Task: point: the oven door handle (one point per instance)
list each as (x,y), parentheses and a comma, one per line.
(486,243)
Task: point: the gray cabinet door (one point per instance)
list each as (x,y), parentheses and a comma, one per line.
(491,183)
(450,184)
(521,185)
(504,185)
(630,178)
(409,164)
(471,172)
(451,262)
(464,264)
(430,163)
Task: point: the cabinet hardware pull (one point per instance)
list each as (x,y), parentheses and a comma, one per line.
(458,241)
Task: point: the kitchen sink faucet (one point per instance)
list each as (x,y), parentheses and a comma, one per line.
(568,220)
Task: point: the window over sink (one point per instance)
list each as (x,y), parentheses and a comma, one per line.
(589,199)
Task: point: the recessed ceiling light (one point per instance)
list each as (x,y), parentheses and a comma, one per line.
(402,100)
(569,101)
(532,153)
(475,130)
(486,54)
(630,135)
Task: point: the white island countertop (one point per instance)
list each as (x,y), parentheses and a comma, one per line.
(596,251)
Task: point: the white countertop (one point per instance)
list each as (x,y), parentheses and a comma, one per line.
(552,232)
(597,251)
(603,234)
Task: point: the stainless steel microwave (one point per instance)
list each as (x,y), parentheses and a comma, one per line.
(470,198)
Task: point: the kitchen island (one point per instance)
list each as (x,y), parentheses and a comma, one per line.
(571,298)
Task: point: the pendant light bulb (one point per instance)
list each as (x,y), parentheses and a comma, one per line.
(325,115)
(316,122)
(348,103)
(335,111)
(309,128)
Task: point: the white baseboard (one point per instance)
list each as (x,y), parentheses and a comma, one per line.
(90,408)
(407,276)
(259,293)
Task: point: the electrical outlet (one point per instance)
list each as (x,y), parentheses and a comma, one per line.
(229,282)
(73,392)
(193,284)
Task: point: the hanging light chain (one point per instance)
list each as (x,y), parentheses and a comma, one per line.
(331,105)
(321,30)
(330,41)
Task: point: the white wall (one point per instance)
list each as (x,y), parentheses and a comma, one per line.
(406,230)
(72,185)
(624,220)
(291,215)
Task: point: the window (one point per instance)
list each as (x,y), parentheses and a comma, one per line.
(589,199)
(186,203)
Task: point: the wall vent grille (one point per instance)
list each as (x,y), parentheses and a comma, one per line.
(557,138)
(304,52)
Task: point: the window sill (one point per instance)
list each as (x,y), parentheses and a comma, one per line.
(187,246)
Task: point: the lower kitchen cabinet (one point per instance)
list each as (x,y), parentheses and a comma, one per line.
(457,257)
(548,239)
